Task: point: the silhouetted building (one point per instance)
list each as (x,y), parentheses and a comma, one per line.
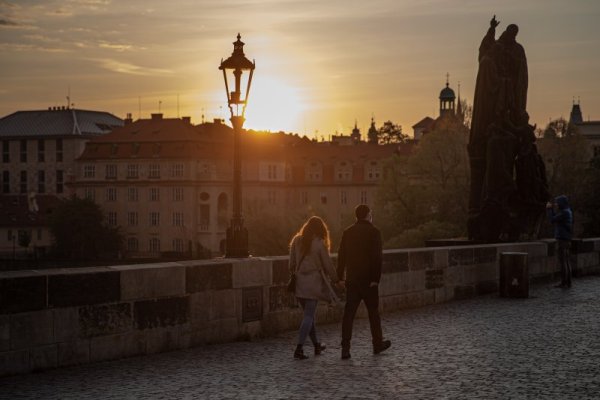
(449,113)
(373,135)
(167,182)
(39,149)
(25,216)
(588,129)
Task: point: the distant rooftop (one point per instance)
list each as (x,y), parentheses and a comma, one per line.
(58,121)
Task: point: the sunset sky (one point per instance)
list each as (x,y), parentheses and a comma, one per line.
(320,64)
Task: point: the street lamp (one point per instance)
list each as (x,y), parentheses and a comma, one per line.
(233,68)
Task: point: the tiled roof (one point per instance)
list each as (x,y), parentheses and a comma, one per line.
(18,211)
(174,138)
(63,122)
(424,123)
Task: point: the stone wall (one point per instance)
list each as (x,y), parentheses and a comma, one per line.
(61,317)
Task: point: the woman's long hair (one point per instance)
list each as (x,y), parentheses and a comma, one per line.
(315,227)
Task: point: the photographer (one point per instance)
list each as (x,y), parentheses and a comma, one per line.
(560,215)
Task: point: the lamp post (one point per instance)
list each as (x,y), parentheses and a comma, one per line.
(236,243)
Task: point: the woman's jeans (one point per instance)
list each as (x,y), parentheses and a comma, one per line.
(307,327)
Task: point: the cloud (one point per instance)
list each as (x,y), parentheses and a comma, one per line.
(7,22)
(116,46)
(131,69)
(20,47)
(41,38)
(60,12)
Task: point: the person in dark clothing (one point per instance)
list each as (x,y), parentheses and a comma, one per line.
(359,268)
(560,215)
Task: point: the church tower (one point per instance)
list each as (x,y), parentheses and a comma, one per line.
(576,116)
(447,100)
(373,135)
(355,133)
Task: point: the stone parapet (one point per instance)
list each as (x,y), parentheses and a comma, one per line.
(63,317)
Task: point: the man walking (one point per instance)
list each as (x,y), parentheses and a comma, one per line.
(359,268)
(561,216)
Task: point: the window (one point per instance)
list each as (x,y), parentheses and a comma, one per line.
(89,171)
(112,218)
(5,182)
(177,219)
(323,198)
(177,194)
(41,181)
(23,185)
(272,171)
(177,170)
(343,197)
(132,194)
(39,234)
(154,218)
(132,218)
(59,181)
(5,151)
(304,197)
(204,217)
(23,150)
(343,171)
(154,245)
(154,171)
(132,244)
(111,194)
(132,171)
(59,150)
(111,171)
(596,151)
(154,194)
(314,172)
(41,150)
(373,171)
(178,245)
(90,193)
(205,169)
(363,197)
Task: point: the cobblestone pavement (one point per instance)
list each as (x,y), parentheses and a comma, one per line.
(547,346)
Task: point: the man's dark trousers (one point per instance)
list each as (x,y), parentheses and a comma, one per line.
(354,295)
(564,254)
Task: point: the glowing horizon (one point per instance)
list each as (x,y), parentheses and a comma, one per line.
(320,65)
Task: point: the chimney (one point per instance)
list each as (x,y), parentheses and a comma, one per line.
(187,120)
(128,119)
(156,117)
(217,120)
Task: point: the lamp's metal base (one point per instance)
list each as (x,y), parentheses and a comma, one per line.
(236,245)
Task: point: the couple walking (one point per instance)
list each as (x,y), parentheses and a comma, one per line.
(358,271)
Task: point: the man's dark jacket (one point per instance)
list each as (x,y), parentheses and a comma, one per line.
(360,254)
(562,220)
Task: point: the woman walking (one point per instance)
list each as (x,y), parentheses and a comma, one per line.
(310,261)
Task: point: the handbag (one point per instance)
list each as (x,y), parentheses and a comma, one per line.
(291,285)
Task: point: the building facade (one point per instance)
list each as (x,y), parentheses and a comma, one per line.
(168,183)
(39,149)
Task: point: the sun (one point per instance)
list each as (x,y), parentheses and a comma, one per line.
(274,105)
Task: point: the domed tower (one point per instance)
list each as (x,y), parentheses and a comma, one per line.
(447,100)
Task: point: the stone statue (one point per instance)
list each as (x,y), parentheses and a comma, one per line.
(508,180)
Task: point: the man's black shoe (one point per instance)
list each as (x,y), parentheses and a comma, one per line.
(345,354)
(384,345)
